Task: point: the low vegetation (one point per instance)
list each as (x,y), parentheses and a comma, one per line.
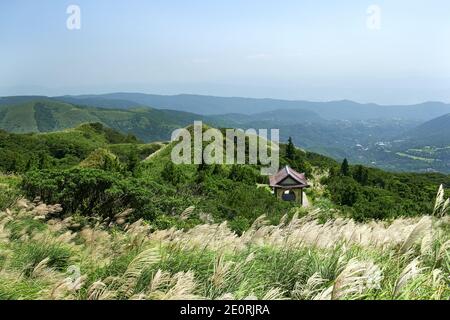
(46,256)
(114,218)
(120,173)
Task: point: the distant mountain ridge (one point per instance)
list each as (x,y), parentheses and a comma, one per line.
(275,117)
(211,105)
(435,132)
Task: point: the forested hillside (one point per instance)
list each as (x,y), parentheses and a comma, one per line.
(64,149)
(60,167)
(47,115)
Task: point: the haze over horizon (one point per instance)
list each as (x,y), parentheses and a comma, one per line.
(297,51)
(101,94)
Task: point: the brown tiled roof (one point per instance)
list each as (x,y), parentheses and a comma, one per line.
(286,172)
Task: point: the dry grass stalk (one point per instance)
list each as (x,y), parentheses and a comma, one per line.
(161,278)
(187,212)
(183,288)
(99,291)
(310,289)
(274,294)
(422,227)
(441,205)
(411,271)
(356,277)
(138,265)
(222,269)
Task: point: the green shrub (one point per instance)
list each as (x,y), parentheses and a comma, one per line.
(26,226)
(8,196)
(94,192)
(27,255)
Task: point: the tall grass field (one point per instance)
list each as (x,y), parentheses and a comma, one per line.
(46,257)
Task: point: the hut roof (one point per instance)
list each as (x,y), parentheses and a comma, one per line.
(280,179)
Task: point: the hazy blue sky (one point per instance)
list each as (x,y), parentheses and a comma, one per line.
(316,50)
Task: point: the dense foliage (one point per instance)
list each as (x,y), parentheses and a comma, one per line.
(226,195)
(94,192)
(24,152)
(95,171)
(367,193)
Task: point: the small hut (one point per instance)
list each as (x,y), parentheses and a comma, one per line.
(288,184)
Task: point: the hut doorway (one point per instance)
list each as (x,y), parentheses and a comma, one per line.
(288,195)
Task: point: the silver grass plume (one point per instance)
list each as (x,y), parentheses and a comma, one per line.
(441,205)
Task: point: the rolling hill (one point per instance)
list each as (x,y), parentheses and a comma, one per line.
(435,132)
(46,115)
(64,149)
(148,124)
(425,147)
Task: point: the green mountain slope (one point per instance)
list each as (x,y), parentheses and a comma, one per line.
(422,148)
(435,132)
(46,115)
(64,149)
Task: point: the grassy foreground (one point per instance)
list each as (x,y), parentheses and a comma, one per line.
(46,257)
